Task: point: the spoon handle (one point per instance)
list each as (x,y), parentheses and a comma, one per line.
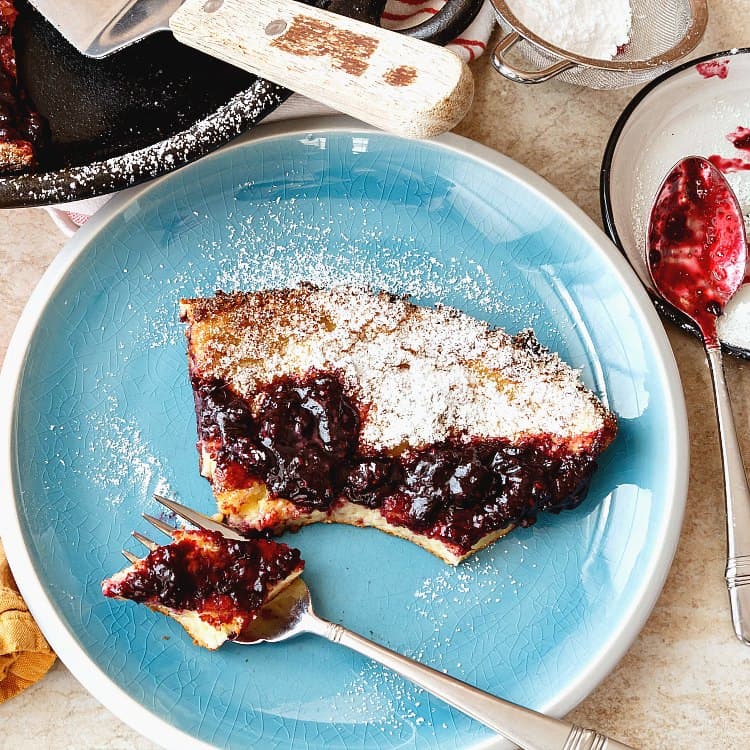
(737,495)
(527,729)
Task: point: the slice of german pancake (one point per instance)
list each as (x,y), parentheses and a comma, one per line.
(346,406)
(212,586)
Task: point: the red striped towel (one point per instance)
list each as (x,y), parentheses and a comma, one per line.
(400,14)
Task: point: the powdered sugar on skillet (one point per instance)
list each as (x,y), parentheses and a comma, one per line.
(74,183)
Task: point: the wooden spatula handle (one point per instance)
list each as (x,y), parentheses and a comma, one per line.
(396,83)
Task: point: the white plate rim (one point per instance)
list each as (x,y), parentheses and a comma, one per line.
(64,642)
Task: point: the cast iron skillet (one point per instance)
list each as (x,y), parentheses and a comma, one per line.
(151,108)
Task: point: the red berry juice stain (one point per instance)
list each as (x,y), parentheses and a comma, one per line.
(729,165)
(696,245)
(740,138)
(714,68)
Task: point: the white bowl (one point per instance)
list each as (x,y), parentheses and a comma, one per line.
(690,110)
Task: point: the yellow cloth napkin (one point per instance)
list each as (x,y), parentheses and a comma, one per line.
(25,656)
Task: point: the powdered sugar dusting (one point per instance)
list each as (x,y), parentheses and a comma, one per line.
(120,463)
(276,246)
(421,374)
(255,256)
(586,27)
(381,697)
(99,178)
(126,465)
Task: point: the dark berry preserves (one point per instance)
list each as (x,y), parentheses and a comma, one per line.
(696,241)
(19,124)
(221,579)
(302,440)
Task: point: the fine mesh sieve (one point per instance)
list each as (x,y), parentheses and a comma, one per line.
(662,32)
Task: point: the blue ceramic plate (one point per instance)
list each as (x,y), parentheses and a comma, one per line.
(102,417)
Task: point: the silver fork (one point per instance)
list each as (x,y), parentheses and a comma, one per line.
(291,613)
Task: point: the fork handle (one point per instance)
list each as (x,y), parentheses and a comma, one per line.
(527,729)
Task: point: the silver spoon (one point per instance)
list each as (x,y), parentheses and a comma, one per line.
(697,257)
(291,614)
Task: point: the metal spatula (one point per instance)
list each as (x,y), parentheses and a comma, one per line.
(394,82)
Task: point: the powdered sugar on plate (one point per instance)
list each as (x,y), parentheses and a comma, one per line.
(589,28)
(274,245)
(127,465)
(250,260)
(447,606)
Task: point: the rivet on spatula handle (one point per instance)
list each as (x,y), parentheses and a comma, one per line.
(397,83)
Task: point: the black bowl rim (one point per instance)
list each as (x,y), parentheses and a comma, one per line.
(605,196)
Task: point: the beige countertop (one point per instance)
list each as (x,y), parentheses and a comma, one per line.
(685,680)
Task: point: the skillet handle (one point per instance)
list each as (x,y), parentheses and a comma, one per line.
(394,82)
(448,23)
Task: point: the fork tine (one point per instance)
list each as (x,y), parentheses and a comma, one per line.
(199,520)
(165,527)
(130,557)
(144,540)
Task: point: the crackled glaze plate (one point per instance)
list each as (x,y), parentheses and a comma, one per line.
(102,417)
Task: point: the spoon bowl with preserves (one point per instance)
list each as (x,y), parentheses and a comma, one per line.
(697,257)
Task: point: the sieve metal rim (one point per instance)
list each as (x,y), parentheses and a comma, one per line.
(699,12)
